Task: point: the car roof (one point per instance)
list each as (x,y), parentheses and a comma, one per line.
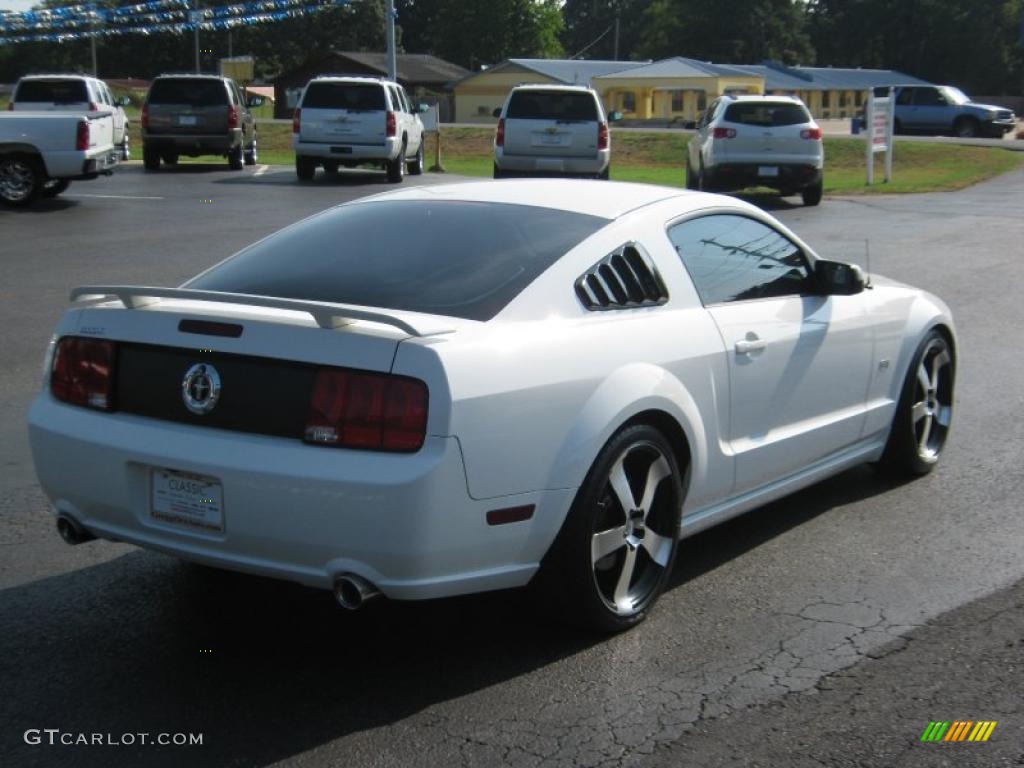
(763,97)
(607,199)
(190,76)
(352,79)
(59,76)
(554,87)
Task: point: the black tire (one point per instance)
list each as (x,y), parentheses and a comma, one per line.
(812,195)
(125,148)
(150,158)
(21,179)
(702,183)
(616,590)
(606,173)
(54,187)
(897,127)
(396,167)
(251,156)
(235,161)
(415,166)
(169,158)
(924,414)
(305,168)
(966,128)
(498,174)
(691,182)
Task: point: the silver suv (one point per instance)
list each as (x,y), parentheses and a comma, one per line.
(757,141)
(552,130)
(353,121)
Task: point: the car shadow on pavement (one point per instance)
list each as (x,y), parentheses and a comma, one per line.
(359,177)
(267,670)
(49,205)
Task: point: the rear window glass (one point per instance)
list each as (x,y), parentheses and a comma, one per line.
(349,96)
(463,259)
(191,91)
(766,113)
(53,91)
(552,105)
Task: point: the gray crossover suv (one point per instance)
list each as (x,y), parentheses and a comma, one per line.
(196,115)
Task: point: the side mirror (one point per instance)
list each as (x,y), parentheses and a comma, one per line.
(496,112)
(838,278)
(422,108)
(614,117)
(122,101)
(254,101)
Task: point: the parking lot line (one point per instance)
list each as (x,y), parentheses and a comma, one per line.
(117,197)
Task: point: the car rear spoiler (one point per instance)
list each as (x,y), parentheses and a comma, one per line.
(326,314)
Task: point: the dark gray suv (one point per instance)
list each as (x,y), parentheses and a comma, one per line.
(196,115)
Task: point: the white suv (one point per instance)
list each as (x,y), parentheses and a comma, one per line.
(353,121)
(72,93)
(757,141)
(552,130)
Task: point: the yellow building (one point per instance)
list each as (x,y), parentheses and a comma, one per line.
(675,89)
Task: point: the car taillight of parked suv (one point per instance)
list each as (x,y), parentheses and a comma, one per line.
(757,141)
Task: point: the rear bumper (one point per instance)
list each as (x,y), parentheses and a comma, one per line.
(293,511)
(186,144)
(546,164)
(81,165)
(738,175)
(342,152)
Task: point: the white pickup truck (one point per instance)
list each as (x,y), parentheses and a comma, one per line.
(42,152)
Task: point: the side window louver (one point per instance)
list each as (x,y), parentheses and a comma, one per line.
(624,279)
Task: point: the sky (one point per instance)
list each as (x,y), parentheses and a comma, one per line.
(17,5)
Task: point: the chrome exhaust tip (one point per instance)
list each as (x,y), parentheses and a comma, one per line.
(71,531)
(352,591)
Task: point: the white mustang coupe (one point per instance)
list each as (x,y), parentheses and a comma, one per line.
(470,387)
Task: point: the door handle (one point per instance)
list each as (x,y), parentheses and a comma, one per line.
(750,344)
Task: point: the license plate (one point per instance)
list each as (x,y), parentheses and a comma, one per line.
(190,501)
(767,170)
(341,150)
(550,141)
(187,120)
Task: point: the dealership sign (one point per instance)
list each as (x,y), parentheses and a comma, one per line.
(878,119)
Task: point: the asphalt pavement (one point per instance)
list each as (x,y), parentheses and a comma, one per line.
(762,612)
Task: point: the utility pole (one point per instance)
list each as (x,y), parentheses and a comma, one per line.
(392,65)
(616,56)
(196,17)
(92,47)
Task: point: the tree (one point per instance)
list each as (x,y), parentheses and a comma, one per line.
(590,27)
(740,31)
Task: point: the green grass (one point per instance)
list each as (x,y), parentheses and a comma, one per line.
(657,158)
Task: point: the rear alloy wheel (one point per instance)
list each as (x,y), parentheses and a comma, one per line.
(54,187)
(250,157)
(235,161)
(616,549)
(305,168)
(415,166)
(396,167)
(966,127)
(812,195)
(21,179)
(150,158)
(925,411)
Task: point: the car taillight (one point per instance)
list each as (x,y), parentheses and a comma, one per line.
(144,117)
(373,411)
(83,372)
(499,135)
(725,133)
(602,136)
(232,116)
(297,121)
(392,124)
(82,136)
(811,133)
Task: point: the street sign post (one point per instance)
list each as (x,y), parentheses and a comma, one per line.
(878,120)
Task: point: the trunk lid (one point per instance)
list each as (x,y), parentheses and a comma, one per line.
(188,107)
(551,123)
(346,113)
